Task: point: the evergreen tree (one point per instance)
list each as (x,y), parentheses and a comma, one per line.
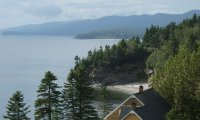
(121,51)
(137,39)
(48,103)
(106,56)
(191,43)
(152,37)
(16,108)
(103,101)
(77,61)
(68,96)
(83,96)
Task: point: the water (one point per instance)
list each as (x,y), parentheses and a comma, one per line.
(25,59)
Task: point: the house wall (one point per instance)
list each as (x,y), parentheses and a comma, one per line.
(132,117)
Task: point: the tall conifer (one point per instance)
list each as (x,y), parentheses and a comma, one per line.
(16,108)
(83,96)
(68,96)
(48,103)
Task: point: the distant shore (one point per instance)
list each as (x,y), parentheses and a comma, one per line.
(128,88)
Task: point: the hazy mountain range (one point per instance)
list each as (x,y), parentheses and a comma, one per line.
(105,27)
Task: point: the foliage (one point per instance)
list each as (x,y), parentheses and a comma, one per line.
(152,37)
(16,108)
(126,51)
(68,97)
(176,61)
(167,40)
(156,36)
(83,95)
(178,82)
(78,94)
(104,105)
(111,58)
(48,104)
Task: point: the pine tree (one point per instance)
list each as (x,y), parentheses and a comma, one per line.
(103,101)
(84,96)
(48,103)
(137,39)
(68,96)
(16,108)
(191,44)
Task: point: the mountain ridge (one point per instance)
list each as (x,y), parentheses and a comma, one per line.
(136,23)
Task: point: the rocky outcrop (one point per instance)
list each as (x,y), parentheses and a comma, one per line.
(127,73)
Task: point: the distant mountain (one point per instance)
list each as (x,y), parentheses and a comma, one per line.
(106,27)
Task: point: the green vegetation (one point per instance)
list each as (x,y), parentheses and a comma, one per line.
(16,108)
(176,62)
(104,103)
(178,81)
(77,95)
(126,51)
(68,97)
(48,102)
(117,33)
(124,57)
(166,41)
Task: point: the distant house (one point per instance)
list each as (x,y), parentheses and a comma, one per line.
(144,105)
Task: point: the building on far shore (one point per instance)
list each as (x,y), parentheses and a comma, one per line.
(144,105)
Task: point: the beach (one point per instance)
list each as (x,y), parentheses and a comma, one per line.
(128,88)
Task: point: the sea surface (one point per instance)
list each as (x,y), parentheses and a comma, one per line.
(25,59)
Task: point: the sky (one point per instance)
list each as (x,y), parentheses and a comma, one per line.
(20,12)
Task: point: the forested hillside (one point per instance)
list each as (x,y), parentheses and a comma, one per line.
(120,63)
(166,41)
(175,60)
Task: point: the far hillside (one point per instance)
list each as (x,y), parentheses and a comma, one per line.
(119,27)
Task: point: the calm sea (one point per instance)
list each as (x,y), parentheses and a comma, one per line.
(25,59)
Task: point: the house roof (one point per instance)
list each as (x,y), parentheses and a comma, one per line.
(155,106)
(132,112)
(124,111)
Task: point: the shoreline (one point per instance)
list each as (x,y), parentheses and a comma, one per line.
(128,88)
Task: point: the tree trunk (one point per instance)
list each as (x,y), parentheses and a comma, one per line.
(49,105)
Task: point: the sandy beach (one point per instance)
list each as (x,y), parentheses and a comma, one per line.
(128,88)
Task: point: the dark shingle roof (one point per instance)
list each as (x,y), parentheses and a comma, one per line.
(124,111)
(155,106)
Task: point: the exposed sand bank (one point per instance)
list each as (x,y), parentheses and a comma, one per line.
(128,88)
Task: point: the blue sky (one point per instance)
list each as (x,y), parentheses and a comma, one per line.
(20,12)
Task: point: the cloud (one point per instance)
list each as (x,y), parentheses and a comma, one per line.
(40,11)
(100,8)
(44,11)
